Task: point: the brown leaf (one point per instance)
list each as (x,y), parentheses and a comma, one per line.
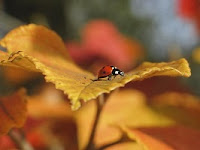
(13,111)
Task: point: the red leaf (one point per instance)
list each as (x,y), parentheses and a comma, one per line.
(168,138)
(13,111)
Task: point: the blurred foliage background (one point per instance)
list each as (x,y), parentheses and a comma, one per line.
(166,30)
(99,32)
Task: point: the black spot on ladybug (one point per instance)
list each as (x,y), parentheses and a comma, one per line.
(104,72)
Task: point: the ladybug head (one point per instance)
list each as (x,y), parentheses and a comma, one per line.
(121,73)
(116,71)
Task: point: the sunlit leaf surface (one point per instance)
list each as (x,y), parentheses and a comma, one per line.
(39,49)
(13,111)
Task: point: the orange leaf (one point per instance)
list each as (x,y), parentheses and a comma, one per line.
(38,108)
(12,111)
(183,107)
(18,75)
(126,146)
(167,138)
(183,100)
(125,107)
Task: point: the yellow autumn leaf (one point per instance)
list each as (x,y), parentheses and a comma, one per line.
(39,49)
(13,73)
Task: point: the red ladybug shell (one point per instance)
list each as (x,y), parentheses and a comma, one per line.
(105,71)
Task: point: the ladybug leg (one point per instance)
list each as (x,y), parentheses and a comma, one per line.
(98,79)
(109,77)
(95,79)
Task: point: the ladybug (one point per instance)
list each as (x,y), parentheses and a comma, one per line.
(109,71)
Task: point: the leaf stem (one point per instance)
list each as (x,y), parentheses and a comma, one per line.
(19,139)
(100,103)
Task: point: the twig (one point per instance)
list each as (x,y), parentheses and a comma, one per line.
(20,140)
(100,103)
